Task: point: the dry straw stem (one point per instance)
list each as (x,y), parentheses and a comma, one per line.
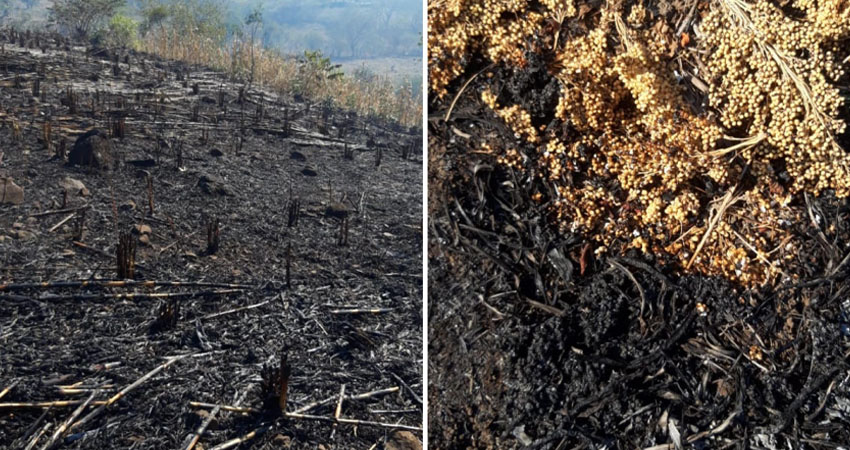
(7,389)
(67,423)
(236,310)
(236,441)
(745,144)
(196,436)
(718,208)
(10,287)
(262,429)
(365,423)
(361,311)
(330,400)
(45,405)
(38,436)
(140,295)
(303,409)
(99,410)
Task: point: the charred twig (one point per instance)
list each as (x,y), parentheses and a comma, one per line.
(275,385)
(11,287)
(62,222)
(409,389)
(294,213)
(235,310)
(193,438)
(119,128)
(46,135)
(343,232)
(213,236)
(70,100)
(353,422)
(361,310)
(230,408)
(16,130)
(329,400)
(178,150)
(67,423)
(62,149)
(43,405)
(139,295)
(126,256)
(80,224)
(123,392)
(96,250)
(236,441)
(150,195)
(38,436)
(166,318)
(289,265)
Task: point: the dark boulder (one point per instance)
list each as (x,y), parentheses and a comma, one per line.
(213,185)
(92,149)
(337,211)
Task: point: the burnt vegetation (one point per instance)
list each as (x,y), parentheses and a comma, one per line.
(563,314)
(191,240)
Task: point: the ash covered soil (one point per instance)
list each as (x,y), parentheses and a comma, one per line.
(535,344)
(207,150)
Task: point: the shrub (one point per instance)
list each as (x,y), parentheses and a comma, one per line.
(122,31)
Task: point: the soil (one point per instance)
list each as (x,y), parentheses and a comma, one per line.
(533,343)
(192,149)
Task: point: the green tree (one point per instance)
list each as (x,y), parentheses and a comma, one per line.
(202,17)
(184,17)
(122,31)
(154,15)
(82,18)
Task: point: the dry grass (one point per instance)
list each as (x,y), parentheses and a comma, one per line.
(379,97)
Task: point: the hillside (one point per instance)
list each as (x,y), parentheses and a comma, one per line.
(265,231)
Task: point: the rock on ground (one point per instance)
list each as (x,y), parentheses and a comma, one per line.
(213,185)
(337,210)
(403,440)
(10,193)
(74,186)
(92,149)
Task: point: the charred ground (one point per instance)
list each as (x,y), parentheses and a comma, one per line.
(215,181)
(535,344)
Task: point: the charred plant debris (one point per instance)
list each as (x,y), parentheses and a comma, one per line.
(624,138)
(222,332)
(213,236)
(126,256)
(625,253)
(274,387)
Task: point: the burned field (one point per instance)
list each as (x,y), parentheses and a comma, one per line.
(271,248)
(573,301)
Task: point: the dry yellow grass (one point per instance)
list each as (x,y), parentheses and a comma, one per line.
(378,97)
